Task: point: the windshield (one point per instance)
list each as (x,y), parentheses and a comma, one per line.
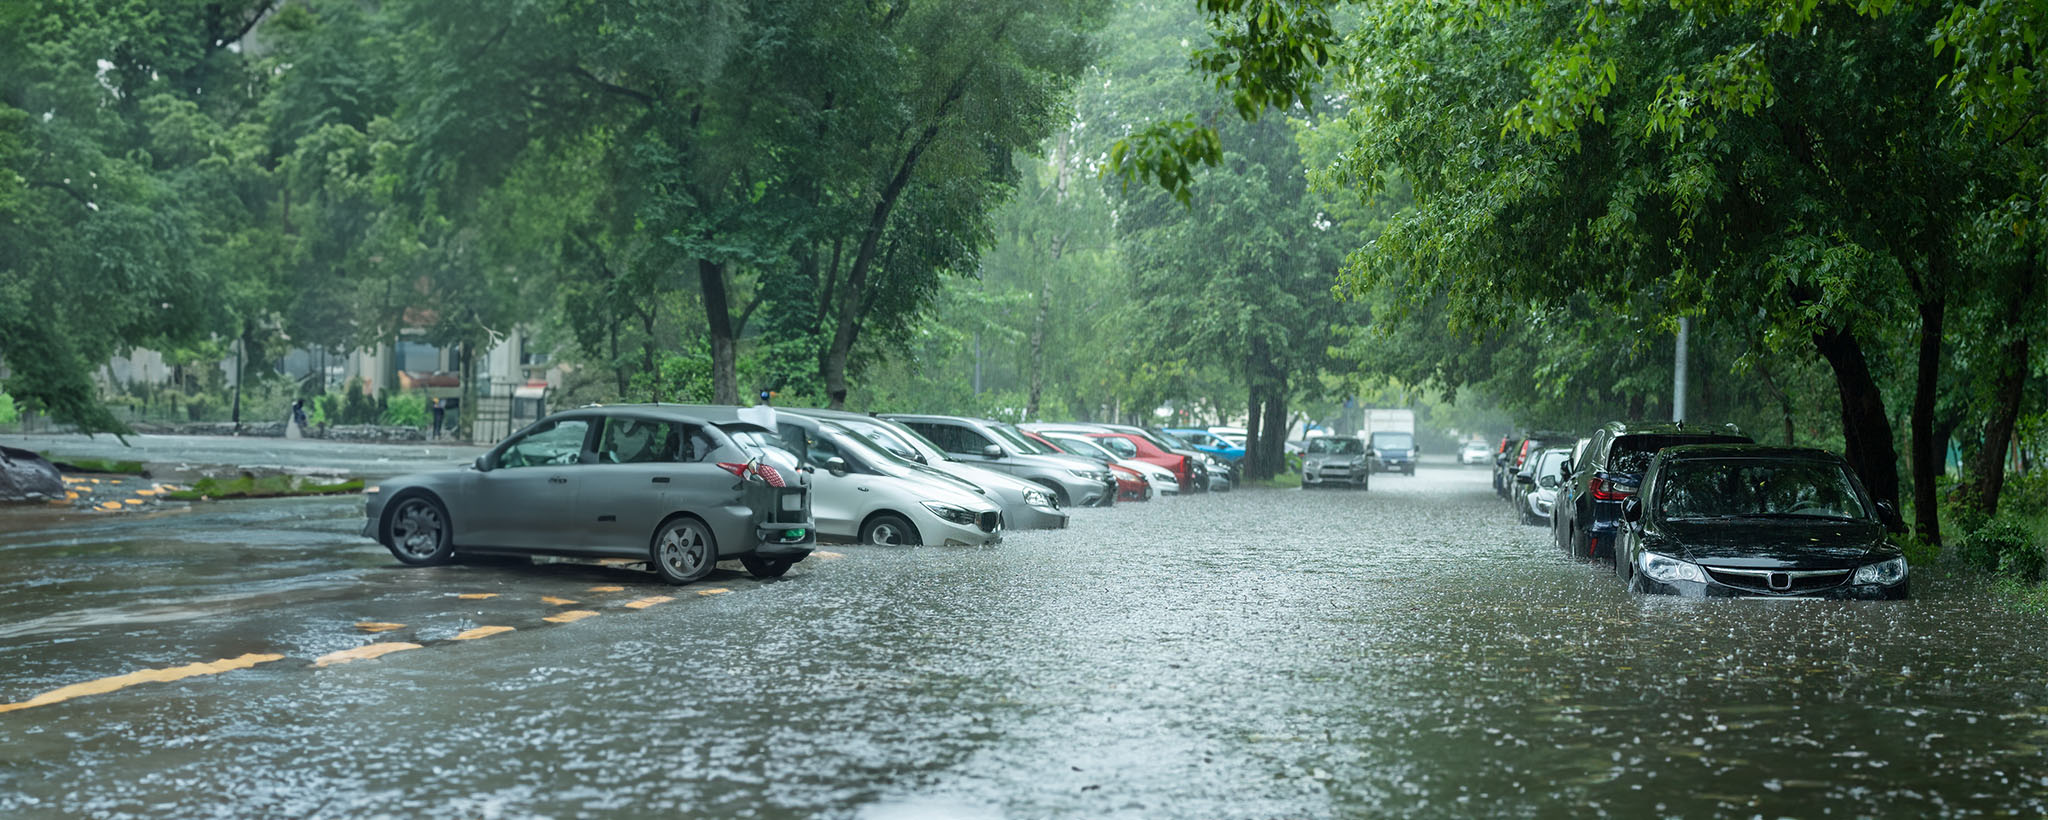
(1756,488)
(886,437)
(1631,454)
(1022,442)
(1337,446)
(1076,445)
(1393,441)
(874,454)
(758,442)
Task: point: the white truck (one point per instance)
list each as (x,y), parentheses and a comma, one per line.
(1391,435)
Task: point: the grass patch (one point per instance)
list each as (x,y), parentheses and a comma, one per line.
(1290,480)
(276,486)
(96,465)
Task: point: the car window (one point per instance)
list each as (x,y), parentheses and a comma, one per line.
(1080,446)
(630,440)
(1631,454)
(888,439)
(1019,441)
(1316,445)
(1119,446)
(1345,446)
(1743,488)
(814,450)
(953,438)
(547,444)
(1393,441)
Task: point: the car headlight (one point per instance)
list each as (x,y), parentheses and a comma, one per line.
(372,490)
(1038,498)
(948,512)
(1885,572)
(1665,569)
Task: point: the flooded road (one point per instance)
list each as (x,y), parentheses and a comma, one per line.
(1408,651)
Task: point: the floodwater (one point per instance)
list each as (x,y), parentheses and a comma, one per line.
(1404,652)
(180,455)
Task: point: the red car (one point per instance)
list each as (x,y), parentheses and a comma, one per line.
(1125,445)
(1130,485)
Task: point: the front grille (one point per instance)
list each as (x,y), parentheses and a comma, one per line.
(1779,582)
(989,521)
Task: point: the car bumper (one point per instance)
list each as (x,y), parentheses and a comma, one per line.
(1034,518)
(1712,589)
(1336,475)
(1397,465)
(774,541)
(937,531)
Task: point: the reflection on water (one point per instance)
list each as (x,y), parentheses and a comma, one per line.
(1407,651)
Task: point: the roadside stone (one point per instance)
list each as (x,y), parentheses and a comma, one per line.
(27,477)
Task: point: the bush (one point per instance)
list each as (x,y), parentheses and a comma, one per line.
(409,410)
(1985,548)
(8,413)
(358,408)
(2023,562)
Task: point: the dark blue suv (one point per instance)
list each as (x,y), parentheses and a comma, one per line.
(1587,516)
(1394,451)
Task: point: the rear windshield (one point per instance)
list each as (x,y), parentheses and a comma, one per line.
(1393,441)
(1631,454)
(1695,489)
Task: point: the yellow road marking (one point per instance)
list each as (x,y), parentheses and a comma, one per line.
(110,505)
(94,687)
(363,653)
(607,589)
(644,603)
(378,626)
(70,480)
(145,492)
(477,596)
(570,616)
(70,496)
(482,632)
(824,554)
(131,501)
(93,480)
(59,501)
(714,591)
(556,601)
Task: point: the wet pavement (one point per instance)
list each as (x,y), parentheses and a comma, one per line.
(1408,651)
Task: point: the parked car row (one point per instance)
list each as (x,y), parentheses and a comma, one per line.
(686,486)
(1351,461)
(1706,512)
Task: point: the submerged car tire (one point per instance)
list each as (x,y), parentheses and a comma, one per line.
(760,567)
(1529,516)
(683,550)
(417,532)
(888,531)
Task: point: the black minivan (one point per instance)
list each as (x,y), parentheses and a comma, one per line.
(1587,515)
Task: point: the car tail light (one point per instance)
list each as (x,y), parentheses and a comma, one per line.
(1604,490)
(755,468)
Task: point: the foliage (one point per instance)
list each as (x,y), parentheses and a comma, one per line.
(8,413)
(406,410)
(277,486)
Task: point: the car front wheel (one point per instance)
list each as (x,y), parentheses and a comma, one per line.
(889,531)
(684,551)
(417,532)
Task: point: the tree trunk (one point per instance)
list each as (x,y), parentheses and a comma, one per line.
(1273,460)
(1037,346)
(725,379)
(1255,421)
(1927,455)
(1988,471)
(1866,430)
(647,363)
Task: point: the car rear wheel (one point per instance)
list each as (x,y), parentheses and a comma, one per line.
(888,531)
(417,532)
(684,550)
(760,567)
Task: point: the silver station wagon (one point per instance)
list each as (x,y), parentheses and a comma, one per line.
(647,482)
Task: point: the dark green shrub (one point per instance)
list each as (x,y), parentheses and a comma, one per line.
(1985,548)
(2023,562)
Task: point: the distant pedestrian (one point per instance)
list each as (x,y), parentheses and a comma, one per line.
(439,413)
(297,427)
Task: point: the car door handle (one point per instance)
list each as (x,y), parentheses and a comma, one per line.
(557,480)
(862,489)
(661,479)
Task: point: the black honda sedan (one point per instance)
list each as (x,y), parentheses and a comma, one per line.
(1746,520)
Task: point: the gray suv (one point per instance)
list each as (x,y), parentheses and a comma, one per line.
(1079,482)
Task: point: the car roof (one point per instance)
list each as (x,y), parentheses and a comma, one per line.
(939,417)
(673,412)
(1764,452)
(1666,428)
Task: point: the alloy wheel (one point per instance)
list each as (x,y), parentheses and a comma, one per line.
(417,528)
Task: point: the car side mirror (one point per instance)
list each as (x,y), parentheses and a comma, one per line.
(837,466)
(1548,482)
(1889,514)
(992,451)
(1524,478)
(1632,511)
(1565,468)
(482,463)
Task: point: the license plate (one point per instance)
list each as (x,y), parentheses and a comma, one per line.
(792,502)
